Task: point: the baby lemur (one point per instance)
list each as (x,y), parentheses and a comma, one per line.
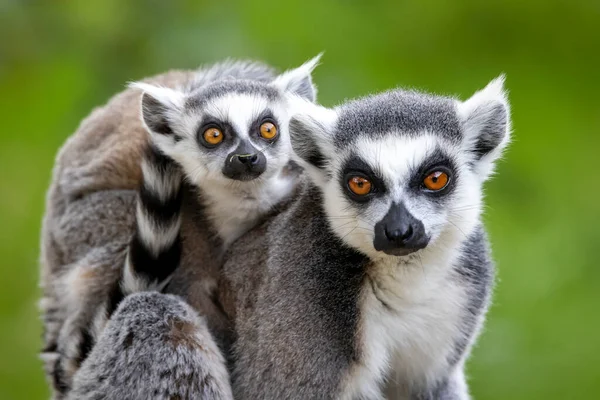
(218,160)
(374,278)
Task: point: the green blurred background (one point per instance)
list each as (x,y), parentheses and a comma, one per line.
(59,59)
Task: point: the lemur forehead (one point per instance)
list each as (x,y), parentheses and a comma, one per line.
(202,96)
(398,158)
(399,112)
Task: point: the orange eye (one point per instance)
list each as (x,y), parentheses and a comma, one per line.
(436,180)
(268,130)
(359,185)
(213,136)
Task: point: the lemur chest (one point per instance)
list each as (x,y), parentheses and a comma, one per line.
(231,218)
(409,327)
(232,212)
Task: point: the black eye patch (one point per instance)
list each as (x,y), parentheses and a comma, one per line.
(355,166)
(438,161)
(265,116)
(208,122)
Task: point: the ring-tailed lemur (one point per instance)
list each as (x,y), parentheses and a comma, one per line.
(378,273)
(218,153)
(219,138)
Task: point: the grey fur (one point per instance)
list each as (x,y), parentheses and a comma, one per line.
(476,270)
(154,347)
(203,96)
(410,112)
(93,257)
(155,115)
(493,119)
(294,307)
(232,69)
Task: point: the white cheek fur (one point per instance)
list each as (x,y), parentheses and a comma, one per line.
(395,159)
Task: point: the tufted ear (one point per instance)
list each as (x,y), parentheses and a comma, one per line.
(311,135)
(485,119)
(298,81)
(159,106)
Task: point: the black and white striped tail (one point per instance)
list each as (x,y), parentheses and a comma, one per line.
(155,248)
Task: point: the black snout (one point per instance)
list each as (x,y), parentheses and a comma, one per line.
(399,233)
(244,163)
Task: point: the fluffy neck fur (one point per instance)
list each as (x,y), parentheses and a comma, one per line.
(410,315)
(235,207)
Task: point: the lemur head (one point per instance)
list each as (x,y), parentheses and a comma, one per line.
(402,171)
(230,129)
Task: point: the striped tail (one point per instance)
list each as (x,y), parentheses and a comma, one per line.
(155,248)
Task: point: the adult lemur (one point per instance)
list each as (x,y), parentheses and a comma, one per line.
(376,276)
(224,131)
(379,271)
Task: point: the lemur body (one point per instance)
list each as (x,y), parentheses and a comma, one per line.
(208,130)
(377,276)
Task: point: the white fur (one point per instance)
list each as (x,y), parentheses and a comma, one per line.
(131,282)
(235,206)
(238,110)
(234,209)
(415,331)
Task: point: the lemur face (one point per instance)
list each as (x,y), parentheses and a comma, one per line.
(403,192)
(228,130)
(232,130)
(401,172)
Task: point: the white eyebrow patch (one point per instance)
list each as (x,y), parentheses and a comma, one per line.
(239,110)
(395,156)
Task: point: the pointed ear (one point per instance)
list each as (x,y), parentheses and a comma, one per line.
(298,81)
(159,105)
(485,119)
(311,135)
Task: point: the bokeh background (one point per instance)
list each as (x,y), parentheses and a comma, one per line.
(59,59)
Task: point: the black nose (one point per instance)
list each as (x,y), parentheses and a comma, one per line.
(248,159)
(399,232)
(244,164)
